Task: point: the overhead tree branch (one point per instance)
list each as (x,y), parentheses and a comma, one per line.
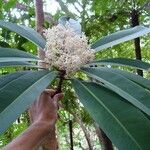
(18,5)
(65,8)
(79,121)
(21,6)
(86,134)
(49,18)
(76,8)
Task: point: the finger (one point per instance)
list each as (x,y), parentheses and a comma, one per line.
(51,92)
(58,96)
(31,112)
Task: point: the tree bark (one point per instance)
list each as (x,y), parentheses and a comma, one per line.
(71,136)
(98,132)
(135,22)
(40,24)
(103,139)
(106,143)
(50,143)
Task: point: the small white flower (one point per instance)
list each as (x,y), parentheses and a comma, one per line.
(65,49)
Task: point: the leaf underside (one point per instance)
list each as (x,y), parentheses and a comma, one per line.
(10,55)
(125,125)
(18,91)
(119,37)
(20,64)
(122,62)
(25,32)
(126,88)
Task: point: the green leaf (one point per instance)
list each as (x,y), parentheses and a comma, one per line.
(123,62)
(8,78)
(17,63)
(25,32)
(10,55)
(10,4)
(126,126)
(126,88)
(133,77)
(19,92)
(119,37)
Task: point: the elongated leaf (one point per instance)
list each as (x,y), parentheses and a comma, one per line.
(25,32)
(6,52)
(129,90)
(136,78)
(125,125)
(17,63)
(5,79)
(18,93)
(123,62)
(10,55)
(119,37)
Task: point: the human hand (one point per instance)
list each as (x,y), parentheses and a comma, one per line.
(44,109)
(43,115)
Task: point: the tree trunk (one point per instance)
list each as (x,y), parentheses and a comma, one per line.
(71,136)
(98,132)
(87,136)
(40,24)
(106,143)
(135,22)
(50,143)
(103,139)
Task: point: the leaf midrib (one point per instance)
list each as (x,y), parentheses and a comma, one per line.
(138,103)
(26,91)
(124,37)
(30,33)
(115,64)
(21,57)
(20,28)
(124,128)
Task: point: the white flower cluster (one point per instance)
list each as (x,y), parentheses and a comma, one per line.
(66,50)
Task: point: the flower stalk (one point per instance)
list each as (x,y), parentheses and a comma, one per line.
(62,74)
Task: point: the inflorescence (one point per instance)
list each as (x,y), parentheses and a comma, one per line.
(66,50)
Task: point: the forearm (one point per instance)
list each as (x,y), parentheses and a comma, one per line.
(44,115)
(50,142)
(31,138)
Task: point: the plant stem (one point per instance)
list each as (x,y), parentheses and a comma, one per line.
(61,77)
